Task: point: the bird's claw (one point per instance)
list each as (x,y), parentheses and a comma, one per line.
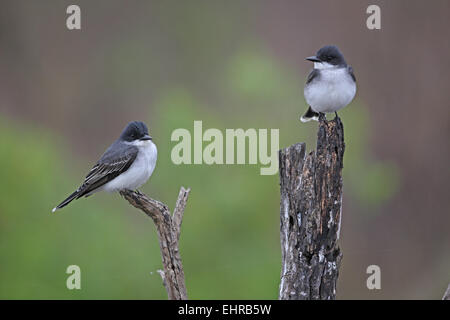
(322,116)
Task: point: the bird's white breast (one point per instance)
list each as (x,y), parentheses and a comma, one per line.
(139,171)
(332,91)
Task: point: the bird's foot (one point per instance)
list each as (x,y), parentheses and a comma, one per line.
(322,116)
(337,119)
(129,190)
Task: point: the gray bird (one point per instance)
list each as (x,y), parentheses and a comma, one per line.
(330,86)
(127,164)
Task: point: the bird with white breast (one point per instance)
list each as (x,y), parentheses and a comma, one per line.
(127,164)
(330,86)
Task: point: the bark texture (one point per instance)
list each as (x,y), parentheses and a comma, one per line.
(168,227)
(311,211)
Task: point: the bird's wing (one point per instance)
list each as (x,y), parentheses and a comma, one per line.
(350,70)
(116,160)
(314,74)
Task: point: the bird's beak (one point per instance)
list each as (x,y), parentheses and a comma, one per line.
(313,59)
(146,137)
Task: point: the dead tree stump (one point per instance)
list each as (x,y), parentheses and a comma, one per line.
(311,212)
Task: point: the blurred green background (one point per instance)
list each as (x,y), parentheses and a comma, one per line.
(66,95)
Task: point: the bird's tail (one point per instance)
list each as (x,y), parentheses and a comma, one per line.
(69,199)
(310,115)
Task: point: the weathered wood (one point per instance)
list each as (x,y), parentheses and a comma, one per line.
(311,211)
(168,228)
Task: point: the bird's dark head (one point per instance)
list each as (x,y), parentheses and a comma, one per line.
(135,131)
(328,55)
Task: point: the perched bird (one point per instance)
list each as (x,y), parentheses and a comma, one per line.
(126,164)
(330,86)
